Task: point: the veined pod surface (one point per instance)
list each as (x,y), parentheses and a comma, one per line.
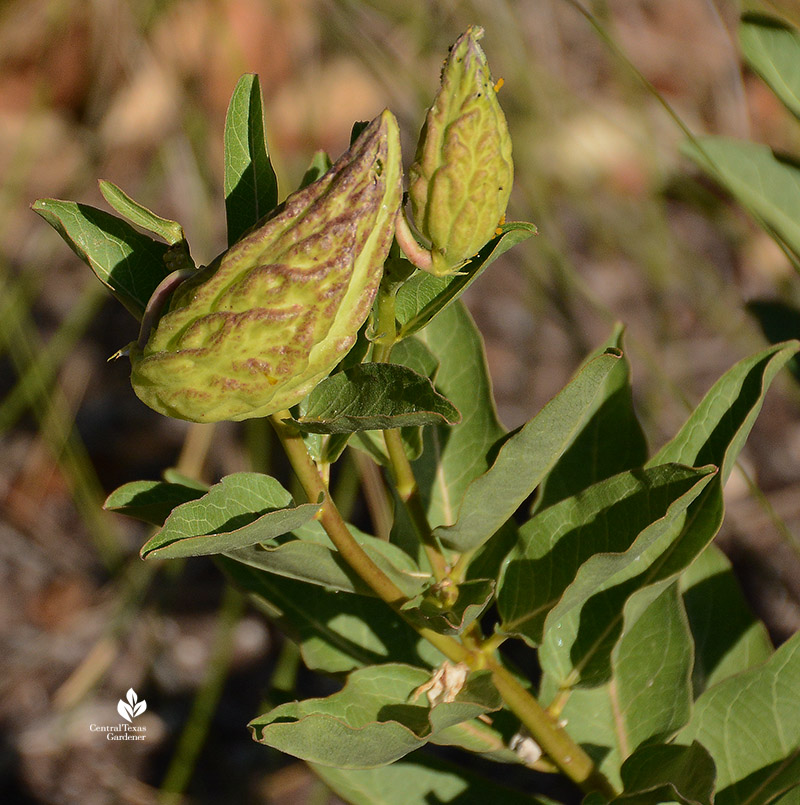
(460,182)
(257,329)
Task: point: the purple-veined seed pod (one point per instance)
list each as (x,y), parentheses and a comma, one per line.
(255,331)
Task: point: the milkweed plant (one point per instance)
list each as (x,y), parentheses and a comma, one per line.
(335,314)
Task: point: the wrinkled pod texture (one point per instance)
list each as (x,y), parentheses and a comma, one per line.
(257,329)
(460,181)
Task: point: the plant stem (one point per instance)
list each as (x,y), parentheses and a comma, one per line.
(329,516)
(402,474)
(551,737)
(417,254)
(195,449)
(556,743)
(408,491)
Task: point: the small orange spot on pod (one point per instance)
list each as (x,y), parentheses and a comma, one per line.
(499,230)
(499,84)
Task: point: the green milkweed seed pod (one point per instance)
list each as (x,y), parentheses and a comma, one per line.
(257,329)
(462,174)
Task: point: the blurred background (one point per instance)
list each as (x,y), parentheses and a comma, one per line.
(136,93)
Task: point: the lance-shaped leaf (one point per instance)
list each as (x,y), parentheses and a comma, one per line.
(765,184)
(425,296)
(772,49)
(320,164)
(453,456)
(151,501)
(582,630)
(471,600)
(170,231)
(593,605)
(667,773)
(419,778)
(374,720)
(128,263)
(308,555)
(242,509)
(526,457)
(251,188)
(728,638)
(336,633)
(618,518)
(652,666)
(648,696)
(174,476)
(374,396)
(750,724)
(718,428)
(779,322)
(612,436)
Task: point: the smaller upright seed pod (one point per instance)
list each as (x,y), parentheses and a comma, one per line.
(460,182)
(257,329)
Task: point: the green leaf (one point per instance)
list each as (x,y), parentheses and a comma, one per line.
(472,599)
(242,509)
(649,695)
(375,719)
(374,396)
(128,263)
(372,443)
(652,667)
(319,166)
(151,501)
(170,231)
(453,456)
(335,632)
(419,779)
(718,428)
(613,523)
(488,560)
(656,774)
(727,637)
(772,50)
(789,798)
(251,188)
(308,555)
(612,436)
(526,457)
(764,183)
(490,741)
(416,356)
(779,322)
(593,605)
(715,431)
(583,628)
(750,724)
(425,296)
(173,476)
(413,353)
